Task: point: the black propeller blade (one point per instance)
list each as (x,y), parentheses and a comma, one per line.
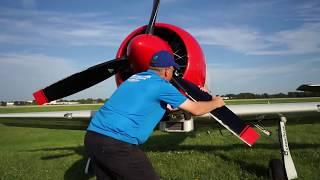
(81,80)
(153,17)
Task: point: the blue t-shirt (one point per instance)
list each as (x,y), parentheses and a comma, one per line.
(136,107)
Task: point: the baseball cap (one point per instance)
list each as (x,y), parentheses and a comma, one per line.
(163,59)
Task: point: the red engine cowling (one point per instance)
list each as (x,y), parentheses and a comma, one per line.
(187,51)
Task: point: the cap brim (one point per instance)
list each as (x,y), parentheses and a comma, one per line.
(177,66)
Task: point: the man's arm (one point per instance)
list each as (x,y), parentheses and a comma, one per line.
(202,107)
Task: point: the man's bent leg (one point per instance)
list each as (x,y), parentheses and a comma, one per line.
(102,173)
(119,159)
(91,146)
(138,166)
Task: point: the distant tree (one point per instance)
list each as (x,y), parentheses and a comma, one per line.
(279,95)
(99,100)
(246,96)
(20,103)
(231,96)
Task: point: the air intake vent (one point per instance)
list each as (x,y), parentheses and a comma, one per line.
(177,124)
(174,125)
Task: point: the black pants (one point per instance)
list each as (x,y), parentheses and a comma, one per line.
(114,159)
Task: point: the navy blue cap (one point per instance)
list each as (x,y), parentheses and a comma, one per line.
(163,59)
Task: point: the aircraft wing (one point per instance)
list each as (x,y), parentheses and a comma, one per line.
(278,108)
(240,110)
(309,87)
(53,114)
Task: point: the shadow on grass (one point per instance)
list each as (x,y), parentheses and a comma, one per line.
(76,171)
(82,123)
(48,123)
(252,168)
(166,143)
(172,142)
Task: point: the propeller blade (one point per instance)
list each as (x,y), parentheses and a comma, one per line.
(81,80)
(153,17)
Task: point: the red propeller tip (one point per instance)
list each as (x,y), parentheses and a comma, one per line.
(249,135)
(40,97)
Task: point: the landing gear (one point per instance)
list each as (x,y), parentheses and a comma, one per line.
(284,169)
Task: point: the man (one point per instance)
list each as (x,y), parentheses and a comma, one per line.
(128,118)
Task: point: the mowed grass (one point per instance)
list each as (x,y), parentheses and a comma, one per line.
(47,108)
(205,154)
(48,149)
(40,153)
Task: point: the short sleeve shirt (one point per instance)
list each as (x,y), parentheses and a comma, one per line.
(136,107)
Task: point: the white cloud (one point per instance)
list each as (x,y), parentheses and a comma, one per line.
(305,39)
(302,40)
(238,39)
(27,72)
(266,77)
(22,74)
(29,4)
(308,11)
(168,1)
(49,29)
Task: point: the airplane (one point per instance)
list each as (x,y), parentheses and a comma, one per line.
(309,87)
(134,55)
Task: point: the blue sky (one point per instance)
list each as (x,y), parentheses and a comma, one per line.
(250,46)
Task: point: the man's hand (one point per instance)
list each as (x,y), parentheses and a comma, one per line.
(218,101)
(201,107)
(204,89)
(170,108)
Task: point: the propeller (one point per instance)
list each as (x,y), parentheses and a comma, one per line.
(153,17)
(81,80)
(91,76)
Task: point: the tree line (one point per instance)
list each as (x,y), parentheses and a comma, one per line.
(266,95)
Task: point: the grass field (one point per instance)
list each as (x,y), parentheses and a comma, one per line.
(30,152)
(22,109)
